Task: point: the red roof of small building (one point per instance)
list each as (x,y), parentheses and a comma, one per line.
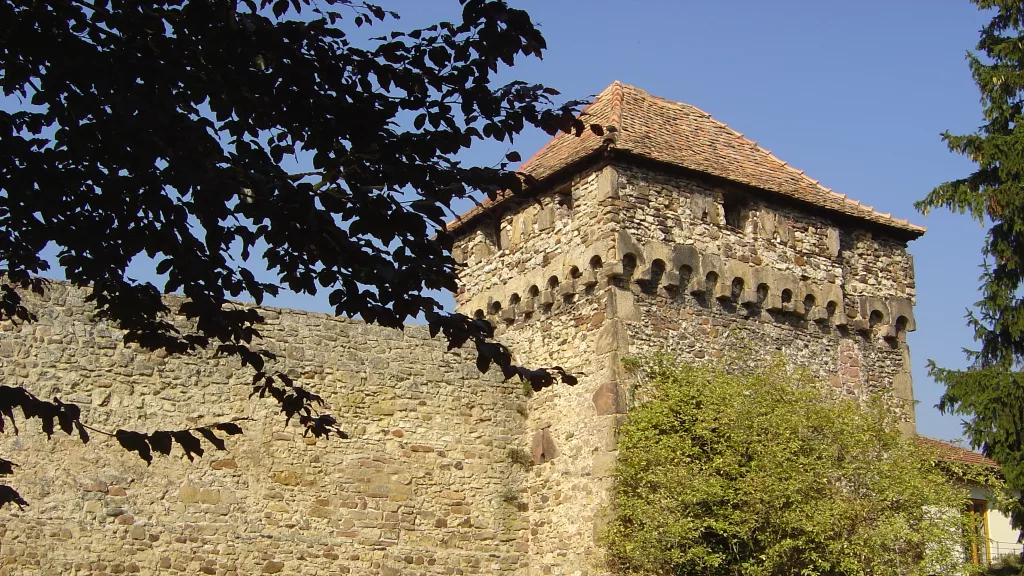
(953,453)
(684,136)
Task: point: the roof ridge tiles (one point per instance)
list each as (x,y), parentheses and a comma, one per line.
(701,110)
(618,96)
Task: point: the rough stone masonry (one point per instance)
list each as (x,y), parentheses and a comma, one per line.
(667,232)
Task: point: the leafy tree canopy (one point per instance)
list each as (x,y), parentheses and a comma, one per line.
(990,393)
(164,129)
(764,474)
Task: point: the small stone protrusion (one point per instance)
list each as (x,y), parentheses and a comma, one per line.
(272,567)
(542,448)
(528,305)
(609,399)
(507,315)
(613,269)
(800,309)
(723,291)
(671,279)
(748,298)
(547,298)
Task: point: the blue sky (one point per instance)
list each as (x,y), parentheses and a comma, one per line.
(853,93)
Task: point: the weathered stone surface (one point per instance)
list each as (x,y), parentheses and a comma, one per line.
(226,464)
(329,507)
(542,447)
(604,464)
(658,269)
(434,479)
(610,398)
(272,567)
(188,494)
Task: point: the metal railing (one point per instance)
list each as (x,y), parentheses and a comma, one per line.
(997,549)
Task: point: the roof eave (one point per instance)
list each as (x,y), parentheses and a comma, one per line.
(907,232)
(462,223)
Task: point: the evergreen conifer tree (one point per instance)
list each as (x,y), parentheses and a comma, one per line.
(990,393)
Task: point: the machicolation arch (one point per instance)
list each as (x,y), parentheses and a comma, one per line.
(661,270)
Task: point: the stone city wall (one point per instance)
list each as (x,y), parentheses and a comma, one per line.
(550,308)
(423,486)
(448,471)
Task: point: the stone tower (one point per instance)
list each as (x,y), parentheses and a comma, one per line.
(672,232)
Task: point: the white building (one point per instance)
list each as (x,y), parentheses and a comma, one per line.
(994,528)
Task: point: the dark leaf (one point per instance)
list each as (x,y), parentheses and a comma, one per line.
(189,443)
(230,428)
(212,438)
(160,441)
(9,495)
(483,363)
(135,442)
(7,467)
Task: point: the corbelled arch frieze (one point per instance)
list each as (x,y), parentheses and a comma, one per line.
(672,271)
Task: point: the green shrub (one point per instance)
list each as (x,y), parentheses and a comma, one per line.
(519,457)
(764,474)
(1010,565)
(509,496)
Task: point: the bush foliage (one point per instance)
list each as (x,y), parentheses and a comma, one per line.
(764,474)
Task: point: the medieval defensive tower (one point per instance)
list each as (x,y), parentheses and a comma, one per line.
(668,232)
(673,232)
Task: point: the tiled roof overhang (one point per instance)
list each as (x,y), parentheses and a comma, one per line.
(673,134)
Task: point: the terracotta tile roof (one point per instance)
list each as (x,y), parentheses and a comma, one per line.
(681,135)
(561,151)
(953,453)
